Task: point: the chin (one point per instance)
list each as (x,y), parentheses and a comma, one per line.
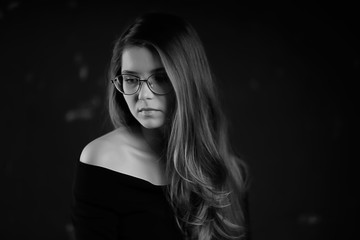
(151,124)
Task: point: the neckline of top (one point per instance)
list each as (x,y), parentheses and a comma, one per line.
(122,174)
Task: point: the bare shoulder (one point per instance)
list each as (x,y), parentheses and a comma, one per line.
(106,149)
(124,152)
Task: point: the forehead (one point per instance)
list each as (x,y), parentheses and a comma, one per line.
(140,60)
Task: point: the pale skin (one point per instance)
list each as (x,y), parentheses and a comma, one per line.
(136,154)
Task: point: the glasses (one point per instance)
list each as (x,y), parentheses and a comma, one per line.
(127,84)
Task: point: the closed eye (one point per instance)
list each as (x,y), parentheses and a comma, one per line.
(130,80)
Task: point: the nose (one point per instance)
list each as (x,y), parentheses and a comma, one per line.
(145,92)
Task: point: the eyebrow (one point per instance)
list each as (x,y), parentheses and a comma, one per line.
(156,70)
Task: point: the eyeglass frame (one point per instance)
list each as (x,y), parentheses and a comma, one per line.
(139,84)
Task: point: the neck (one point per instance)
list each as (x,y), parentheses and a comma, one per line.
(154,138)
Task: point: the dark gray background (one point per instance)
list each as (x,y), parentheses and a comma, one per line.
(286,75)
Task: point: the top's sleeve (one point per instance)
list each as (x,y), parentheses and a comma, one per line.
(91,216)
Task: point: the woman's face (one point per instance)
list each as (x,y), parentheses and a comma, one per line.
(148,108)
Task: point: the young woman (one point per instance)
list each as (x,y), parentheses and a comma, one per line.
(166,171)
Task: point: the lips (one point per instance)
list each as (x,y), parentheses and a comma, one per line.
(147,109)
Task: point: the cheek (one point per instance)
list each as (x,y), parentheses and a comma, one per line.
(130,101)
(165,103)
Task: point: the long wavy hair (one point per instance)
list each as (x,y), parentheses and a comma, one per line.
(207,180)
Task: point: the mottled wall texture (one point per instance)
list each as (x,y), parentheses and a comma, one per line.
(286,75)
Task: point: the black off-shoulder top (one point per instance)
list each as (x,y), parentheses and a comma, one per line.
(112,205)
